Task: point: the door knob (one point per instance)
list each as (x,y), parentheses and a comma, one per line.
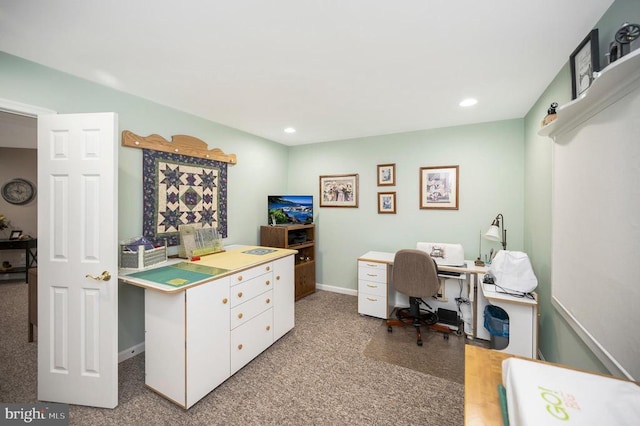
(105,276)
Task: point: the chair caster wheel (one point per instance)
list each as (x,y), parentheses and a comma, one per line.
(419,342)
(389,329)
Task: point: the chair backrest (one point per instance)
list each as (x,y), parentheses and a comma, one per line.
(415,274)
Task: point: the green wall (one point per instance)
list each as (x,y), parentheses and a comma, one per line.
(491,160)
(558,342)
(261,168)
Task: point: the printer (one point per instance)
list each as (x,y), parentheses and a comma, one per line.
(444,254)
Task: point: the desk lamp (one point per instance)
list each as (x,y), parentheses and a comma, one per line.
(494,233)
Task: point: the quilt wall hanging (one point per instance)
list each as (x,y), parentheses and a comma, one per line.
(184,183)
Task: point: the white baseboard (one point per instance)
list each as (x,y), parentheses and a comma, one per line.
(335,289)
(131,352)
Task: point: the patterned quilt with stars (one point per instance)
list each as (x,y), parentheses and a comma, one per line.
(181,190)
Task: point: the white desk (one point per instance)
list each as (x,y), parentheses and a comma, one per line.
(523,320)
(382,293)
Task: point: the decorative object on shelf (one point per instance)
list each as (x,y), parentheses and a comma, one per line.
(386,174)
(339,191)
(496,231)
(6,266)
(584,62)
(4,222)
(439,187)
(387,202)
(551,114)
(621,45)
(16,234)
(18,191)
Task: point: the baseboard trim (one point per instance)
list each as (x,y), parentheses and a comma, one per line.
(131,352)
(335,289)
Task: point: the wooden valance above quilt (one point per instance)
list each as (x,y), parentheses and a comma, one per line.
(179,144)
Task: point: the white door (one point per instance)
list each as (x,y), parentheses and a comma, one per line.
(77,233)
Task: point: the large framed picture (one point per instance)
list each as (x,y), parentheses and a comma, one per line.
(386,202)
(339,191)
(439,187)
(386,174)
(584,62)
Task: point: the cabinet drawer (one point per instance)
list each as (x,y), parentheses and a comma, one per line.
(251,308)
(248,289)
(372,287)
(250,339)
(372,274)
(375,306)
(243,276)
(372,265)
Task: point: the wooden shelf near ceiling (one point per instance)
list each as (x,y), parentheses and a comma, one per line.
(179,144)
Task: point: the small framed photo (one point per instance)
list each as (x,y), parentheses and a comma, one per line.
(15,234)
(386,174)
(584,62)
(439,187)
(339,191)
(386,202)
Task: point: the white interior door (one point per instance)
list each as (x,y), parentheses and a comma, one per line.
(77,233)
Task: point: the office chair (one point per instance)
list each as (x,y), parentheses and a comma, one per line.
(414,274)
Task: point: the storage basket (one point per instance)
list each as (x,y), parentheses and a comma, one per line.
(142,258)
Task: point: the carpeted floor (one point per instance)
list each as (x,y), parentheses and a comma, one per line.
(324,371)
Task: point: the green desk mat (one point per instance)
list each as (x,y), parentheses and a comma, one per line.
(180,274)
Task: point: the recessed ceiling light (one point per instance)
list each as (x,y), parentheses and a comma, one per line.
(289,130)
(468,102)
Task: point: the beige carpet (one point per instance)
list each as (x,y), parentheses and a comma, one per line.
(437,356)
(317,374)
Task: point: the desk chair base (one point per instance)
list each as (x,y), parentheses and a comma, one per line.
(414,316)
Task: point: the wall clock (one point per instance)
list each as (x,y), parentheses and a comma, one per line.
(18,191)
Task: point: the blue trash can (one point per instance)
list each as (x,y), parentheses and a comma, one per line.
(496,321)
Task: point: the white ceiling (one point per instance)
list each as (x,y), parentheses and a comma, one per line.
(333,69)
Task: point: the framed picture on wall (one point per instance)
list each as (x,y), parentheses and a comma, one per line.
(584,62)
(386,202)
(386,174)
(439,187)
(339,191)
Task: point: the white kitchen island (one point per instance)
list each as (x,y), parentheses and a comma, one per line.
(199,334)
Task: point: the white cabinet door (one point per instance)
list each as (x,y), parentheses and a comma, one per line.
(284,297)
(164,332)
(208,337)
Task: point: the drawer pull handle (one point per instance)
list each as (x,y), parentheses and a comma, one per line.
(239,277)
(278,277)
(268,282)
(373,265)
(224,301)
(372,286)
(268,301)
(240,315)
(372,275)
(268,268)
(268,327)
(240,347)
(239,294)
(372,300)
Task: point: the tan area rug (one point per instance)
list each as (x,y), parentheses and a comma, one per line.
(437,356)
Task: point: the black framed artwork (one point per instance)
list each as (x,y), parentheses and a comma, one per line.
(584,63)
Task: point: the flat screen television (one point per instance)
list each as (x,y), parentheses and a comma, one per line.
(290,209)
